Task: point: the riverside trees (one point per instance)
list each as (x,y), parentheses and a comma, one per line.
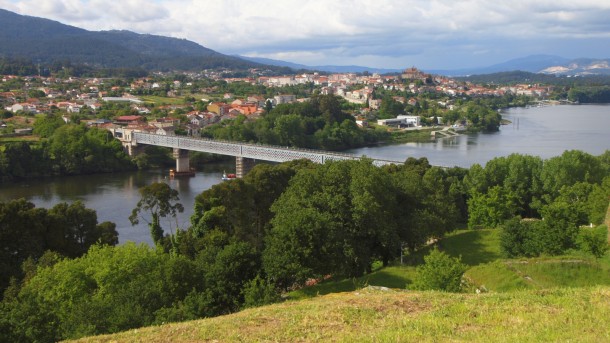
(68,150)
(27,232)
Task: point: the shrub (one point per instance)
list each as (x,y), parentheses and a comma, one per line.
(593,241)
(259,292)
(440,272)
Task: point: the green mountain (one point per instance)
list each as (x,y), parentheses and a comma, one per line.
(47,41)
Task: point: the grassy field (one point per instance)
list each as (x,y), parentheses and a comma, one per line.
(403,136)
(565,298)
(159,100)
(480,249)
(366,315)
(19,139)
(540,273)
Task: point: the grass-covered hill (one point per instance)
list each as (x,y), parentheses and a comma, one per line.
(565,298)
(367,315)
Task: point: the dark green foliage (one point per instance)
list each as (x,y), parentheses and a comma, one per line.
(521,238)
(571,167)
(439,272)
(490,209)
(598,201)
(590,94)
(27,232)
(481,117)
(260,292)
(226,269)
(107,290)
(342,216)
(241,207)
(45,125)
(593,240)
(69,150)
(553,235)
(390,108)
(516,77)
(319,123)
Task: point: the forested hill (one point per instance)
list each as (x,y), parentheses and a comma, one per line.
(47,41)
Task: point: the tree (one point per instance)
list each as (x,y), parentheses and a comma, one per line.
(521,238)
(490,209)
(560,225)
(157,200)
(439,272)
(77,225)
(571,167)
(336,218)
(45,125)
(109,289)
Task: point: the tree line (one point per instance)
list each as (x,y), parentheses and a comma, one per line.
(65,150)
(27,232)
(254,238)
(317,124)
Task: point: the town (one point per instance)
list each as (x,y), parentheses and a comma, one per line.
(184,104)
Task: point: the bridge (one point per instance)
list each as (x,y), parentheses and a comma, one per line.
(245,153)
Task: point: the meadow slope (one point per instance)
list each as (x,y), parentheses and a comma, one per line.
(373,314)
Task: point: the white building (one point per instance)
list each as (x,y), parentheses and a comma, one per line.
(401,121)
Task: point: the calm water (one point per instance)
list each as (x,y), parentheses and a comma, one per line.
(540,131)
(543,131)
(113,196)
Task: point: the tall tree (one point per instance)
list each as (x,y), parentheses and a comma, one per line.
(158,200)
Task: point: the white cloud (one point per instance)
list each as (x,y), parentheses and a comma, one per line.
(344,31)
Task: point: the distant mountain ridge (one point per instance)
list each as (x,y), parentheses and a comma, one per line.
(325,68)
(545,64)
(540,64)
(44,40)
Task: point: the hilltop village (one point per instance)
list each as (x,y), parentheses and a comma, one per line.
(169,103)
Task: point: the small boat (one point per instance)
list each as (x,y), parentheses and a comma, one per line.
(226,176)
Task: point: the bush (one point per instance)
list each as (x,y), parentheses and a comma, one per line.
(259,292)
(593,241)
(440,272)
(520,238)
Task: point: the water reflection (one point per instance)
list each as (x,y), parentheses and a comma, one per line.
(114,195)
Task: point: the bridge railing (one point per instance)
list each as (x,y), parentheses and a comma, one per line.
(247,150)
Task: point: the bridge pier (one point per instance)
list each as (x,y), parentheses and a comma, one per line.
(243,165)
(182,164)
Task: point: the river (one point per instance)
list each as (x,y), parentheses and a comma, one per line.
(542,131)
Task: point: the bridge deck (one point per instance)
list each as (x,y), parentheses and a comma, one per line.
(246,150)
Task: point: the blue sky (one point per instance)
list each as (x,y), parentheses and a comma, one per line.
(429,34)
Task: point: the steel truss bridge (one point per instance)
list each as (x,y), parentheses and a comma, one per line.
(246,150)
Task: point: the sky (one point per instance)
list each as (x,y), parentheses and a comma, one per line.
(396,34)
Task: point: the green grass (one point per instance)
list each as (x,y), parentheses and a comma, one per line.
(541,273)
(473,246)
(480,249)
(422,135)
(159,100)
(19,139)
(558,315)
(392,277)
